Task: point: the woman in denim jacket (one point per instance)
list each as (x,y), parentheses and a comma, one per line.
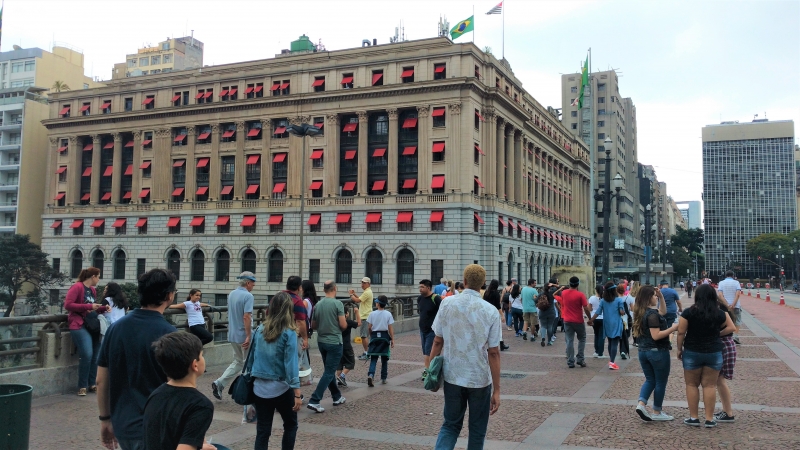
(276,385)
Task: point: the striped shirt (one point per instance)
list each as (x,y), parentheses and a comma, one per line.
(728,287)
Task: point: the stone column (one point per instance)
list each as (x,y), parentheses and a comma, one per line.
(509,161)
(266,158)
(96,170)
(51,178)
(116,174)
(239,180)
(190,185)
(459,169)
(392,154)
(500,150)
(136,179)
(363,157)
(295,161)
(424,158)
(519,166)
(161,165)
(488,145)
(214,164)
(331,156)
(73,196)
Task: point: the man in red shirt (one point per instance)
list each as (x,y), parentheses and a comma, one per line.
(573,306)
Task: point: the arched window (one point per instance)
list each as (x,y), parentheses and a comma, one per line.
(405,267)
(198,265)
(275,268)
(98,261)
(223,266)
(119,265)
(76,264)
(374,266)
(344,266)
(249,261)
(174,263)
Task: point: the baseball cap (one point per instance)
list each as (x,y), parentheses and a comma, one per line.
(366,280)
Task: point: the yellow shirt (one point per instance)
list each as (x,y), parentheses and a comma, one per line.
(365,307)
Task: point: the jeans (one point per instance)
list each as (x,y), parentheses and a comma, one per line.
(612,348)
(426,339)
(201,332)
(516,318)
(331,355)
(265,411)
(235,368)
(384,366)
(88,350)
(599,336)
(131,444)
(547,324)
(456,400)
(655,365)
(569,335)
(508,317)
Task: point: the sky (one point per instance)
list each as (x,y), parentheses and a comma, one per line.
(685,64)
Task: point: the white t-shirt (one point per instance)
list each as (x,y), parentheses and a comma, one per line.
(115,313)
(729,287)
(630,301)
(380,320)
(516,302)
(194,313)
(595,302)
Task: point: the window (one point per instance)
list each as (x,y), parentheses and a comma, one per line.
(440,71)
(98,260)
(405,267)
(317,158)
(62,174)
(315,223)
(77,228)
(344,223)
(168,56)
(377,77)
(601,135)
(56,265)
(249,261)
(57,227)
(601,123)
(118,270)
(437,184)
(477,120)
(374,269)
(249,224)
(174,225)
(573,89)
(285,87)
(144,61)
(198,265)
(198,225)
(174,263)
(438,151)
(223,266)
(438,115)
(374,221)
(120,227)
(407,76)
(347,81)
(405,221)
(275,267)
(601,99)
(574,126)
(105,108)
(319,122)
(313,270)
(221,299)
(131,63)
(500,270)
(437,221)
(318,84)
(344,266)
(155,60)
(128,103)
(76,264)
(141,267)
(16,67)
(149,102)
(146,170)
(86,109)
(573,113)
(437,269)
(147,141)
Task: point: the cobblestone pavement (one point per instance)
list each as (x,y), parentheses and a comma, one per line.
(545,405)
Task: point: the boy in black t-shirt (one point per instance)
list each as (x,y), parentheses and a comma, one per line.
(176,412)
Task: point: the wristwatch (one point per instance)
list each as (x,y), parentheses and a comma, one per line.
(104,418)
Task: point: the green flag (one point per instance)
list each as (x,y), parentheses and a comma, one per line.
(465,26)
(584,82)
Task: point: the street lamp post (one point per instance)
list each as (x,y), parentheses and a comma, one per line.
(606,197)
(302,131)
(647,234)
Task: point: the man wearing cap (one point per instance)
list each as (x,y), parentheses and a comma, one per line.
(364,303)
(573,306)
(240,321)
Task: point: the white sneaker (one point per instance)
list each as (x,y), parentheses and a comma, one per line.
(595,355)
(642,412)
(661,417)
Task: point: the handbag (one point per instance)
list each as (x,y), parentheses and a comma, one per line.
(434,379)
(91,322)
(241,389)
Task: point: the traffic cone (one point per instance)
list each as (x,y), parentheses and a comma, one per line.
(748,293)
(782,301)
(768,296)
(758,294)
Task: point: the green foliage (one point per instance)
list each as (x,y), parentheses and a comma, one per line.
(59,86)
(766,245)
(23,263)
(39,302)
(691,239)
(130,291)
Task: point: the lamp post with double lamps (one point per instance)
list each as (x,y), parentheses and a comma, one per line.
(606,196)
(647,232)
(302,131)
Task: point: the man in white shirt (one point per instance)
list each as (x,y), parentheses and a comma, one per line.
(730,290)
(468,333)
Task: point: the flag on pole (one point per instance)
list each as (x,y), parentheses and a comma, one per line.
(584,82)
(465,26)
(496,10)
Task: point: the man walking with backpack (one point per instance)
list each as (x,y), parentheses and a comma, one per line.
(572,302)
(428,306)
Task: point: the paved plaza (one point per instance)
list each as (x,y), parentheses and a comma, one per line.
(545,405)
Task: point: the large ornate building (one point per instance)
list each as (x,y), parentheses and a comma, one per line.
(431,156)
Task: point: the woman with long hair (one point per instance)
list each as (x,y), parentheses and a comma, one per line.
(627,320)
(515,300)
(80,301)
(117,302)
(310,300)
(700,348)
(635,287)
(547,315)
(613,311)
(276,385)
(492,295)
(652,331)
(597,324)
(194,315)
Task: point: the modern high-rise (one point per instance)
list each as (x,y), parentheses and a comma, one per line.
(691,212)
(172,54)
(23,67)
(606,114)
(748,189)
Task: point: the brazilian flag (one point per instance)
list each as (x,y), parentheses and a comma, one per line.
(465,26)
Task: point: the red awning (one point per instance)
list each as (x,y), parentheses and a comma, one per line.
(318,82)
(87,172)
(280,130)
(439,69)
(108,146)
(477,180)
(106,196)
(319,125)
(409,183)
(258,88)
(147,101)
(176,97)
(174,221)
(376,77)
(275,86)
(249,89)
(226,190)
(179,163)
(405,217)
(85,107)
(146,142)
(343,218)
(253,159)
(177,192)
(145,165)
(199,95)
(109,170)
(512,224)
(208,94)
(63,111)
(232,91)
(105,105)
(61,169)
(373,217)
(480,220)
(437,112)
(253,132)
(62,149)
(228,133)
(77,223)
(411,122)
(437,182)
(502,222)
(86,196)
(223,220)
(279,157)
(350,154)
(349,186)
(285,86)
(379,152)
(56,224)
(480,116)
(197,221)
(204,135)
(379,185)
(407,73)
(438,147)
(274,219)
(409,151)
(120,223)
(60,195)
(223,93)
(144,193)
(437,216)
(203,162)
(128,144)
(315,185)
(253,188)
(179,138)
(349,127)
(278,188)
(98,223)
(347,80)
(88,147)
(316,154)
(478,148)
(202,190)
(314,219)
(141,222)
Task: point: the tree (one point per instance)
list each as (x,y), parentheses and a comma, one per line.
(691,239)
(22,264)
(766,245)
(59,86)
(681,261)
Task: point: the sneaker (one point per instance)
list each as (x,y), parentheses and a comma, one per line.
(553,339)
(424,374)
(643,414)
(692,422)
(82,392)
(571,366)
(342,381)
(363,356)
(736,339)
(93,389)
(550,343)
(582,363)
(595,355)
(661,417)
(340,401)
(709,423)
(723,417)
(315,407)
(383,381)
(623,355)
(525,336)
(543,339)
(369,382)
(509,328)
(216,389)
(635,344)
(613,366)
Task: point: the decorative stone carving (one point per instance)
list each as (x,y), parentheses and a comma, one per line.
(137,134)
(215,128)
(163,132)
(422,111)
(362,116)
(393,114)
(53,141)
(266,123)
(455,108)
(239,126)
(96,139)
(333,120)
(73,140)
(117,137)
(489,114)
(190,131)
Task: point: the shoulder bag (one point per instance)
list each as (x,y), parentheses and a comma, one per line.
(241,389)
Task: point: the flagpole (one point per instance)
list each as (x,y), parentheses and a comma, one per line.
(504,30)
(593,156)
(473,23)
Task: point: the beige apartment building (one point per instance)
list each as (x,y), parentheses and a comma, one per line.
(172,54)
(430,156)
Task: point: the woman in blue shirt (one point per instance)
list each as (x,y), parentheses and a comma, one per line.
(612,309)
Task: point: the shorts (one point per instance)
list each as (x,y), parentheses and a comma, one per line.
(695,360)
(426,339)
(532,319)
(737,316)
(348,360)
(363,330)
(728,357)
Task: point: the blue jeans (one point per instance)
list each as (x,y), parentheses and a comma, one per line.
(426,339)
(373,364)
(613,343)
(599,336)
(508,317)
(331,355)
(456,400)
(516,319)
(655,365)
(547,324)
(88,351)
